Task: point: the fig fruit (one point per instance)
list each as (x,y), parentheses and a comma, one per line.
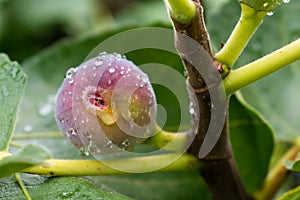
(106,104)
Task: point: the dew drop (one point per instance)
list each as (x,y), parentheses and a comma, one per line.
(286,1)
(84,152)
(71,81)
(270,13)
(125,143)
(98,62)
(103,53)
(109,144)
(72,132)
(62,121)
(192,110)
(121,72)
(266,4)
(117,55)
(109,82)
(70,72)
(111,70)
(145,79)
(87,134)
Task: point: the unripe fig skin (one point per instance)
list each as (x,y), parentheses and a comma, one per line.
(106,102)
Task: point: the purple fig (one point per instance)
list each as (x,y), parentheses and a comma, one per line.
(106,103)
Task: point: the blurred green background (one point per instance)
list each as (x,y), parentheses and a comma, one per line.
(28,26)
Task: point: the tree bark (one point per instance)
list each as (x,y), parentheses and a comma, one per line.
(219,168)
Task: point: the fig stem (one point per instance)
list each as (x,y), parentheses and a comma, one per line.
(164,138)
(262,67)
(56,167)
(246,26)
(182,10)
(278,174)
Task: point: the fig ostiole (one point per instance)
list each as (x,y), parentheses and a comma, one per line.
(106,105)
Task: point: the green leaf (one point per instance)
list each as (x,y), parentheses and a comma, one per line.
(276,97)
(12,83)
(262,5)
(293,165)
(296,166)
(157,186)
(293,194)
(45,188)
(252,142)
(28,156)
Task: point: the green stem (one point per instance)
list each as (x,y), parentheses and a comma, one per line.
(278,174)
(94,167)
(242,33)
(38,135)
(168,140)
(56,167)
(22,186)
(262,67)
(182,10)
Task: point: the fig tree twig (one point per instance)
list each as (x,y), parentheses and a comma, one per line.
(219,168)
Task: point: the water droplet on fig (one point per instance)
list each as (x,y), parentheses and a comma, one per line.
(72,132)
(111,70)
(62,121)
(125,143)
(87,134)
(145,79)
(71,81)
(70,72)
(103,53)
(286,1)
(98,63)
